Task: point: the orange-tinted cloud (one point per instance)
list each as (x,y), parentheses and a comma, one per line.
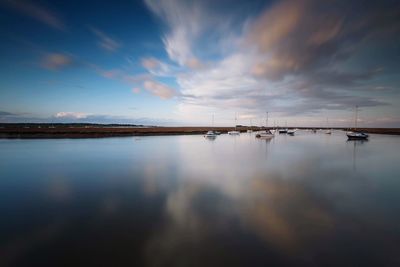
(159,89)
(56,61)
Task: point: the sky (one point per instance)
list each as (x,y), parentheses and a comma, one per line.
(154,62)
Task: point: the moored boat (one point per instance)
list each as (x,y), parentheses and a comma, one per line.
(354,135)
(211,135)
(233,132)
(357,135)
(265,134)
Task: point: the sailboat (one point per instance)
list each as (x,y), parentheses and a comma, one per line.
(211,134)
(329,131)
(250,130)
(283,130)
(291,131)
(353,135)
(235,132)
(273,128)
(267,134)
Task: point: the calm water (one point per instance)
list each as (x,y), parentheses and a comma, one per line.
(309,199)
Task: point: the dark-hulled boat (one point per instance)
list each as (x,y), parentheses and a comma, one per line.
(357,136)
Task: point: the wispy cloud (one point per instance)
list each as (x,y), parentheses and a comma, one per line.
(56,61)
(159,68)
(143,80)
(6,113)
(187,22)
(105,41)
(159,89)
(35,11)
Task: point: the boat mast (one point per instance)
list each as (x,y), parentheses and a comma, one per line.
(235,120)
(266,121)
(213,120)
(356,118)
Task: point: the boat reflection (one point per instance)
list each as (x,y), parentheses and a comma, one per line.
(356,143)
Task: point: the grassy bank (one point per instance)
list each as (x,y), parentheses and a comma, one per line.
(95,131)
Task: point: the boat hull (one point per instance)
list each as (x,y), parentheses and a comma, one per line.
(357,136)
(264,136)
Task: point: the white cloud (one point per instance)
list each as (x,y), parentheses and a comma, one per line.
(187,22)
(71,115)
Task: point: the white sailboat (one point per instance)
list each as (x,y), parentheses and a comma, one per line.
(211,134)
(235,132)
(329,131)
(353,135)
(267,134)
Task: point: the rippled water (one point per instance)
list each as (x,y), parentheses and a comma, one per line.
(309,199)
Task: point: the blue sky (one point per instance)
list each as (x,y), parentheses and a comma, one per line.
(179,62)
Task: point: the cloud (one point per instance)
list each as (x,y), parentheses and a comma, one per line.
(136,90)
(6,113)
(35,11)
(56,61)
(150,63)
(293,58)
(158,89)
(159,68)
(143,80)
(105,41)
(71,115)
(187,21)
(294,37)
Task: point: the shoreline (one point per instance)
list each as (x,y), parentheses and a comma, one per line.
(46,132)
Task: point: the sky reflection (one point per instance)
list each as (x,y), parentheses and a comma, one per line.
(181,200)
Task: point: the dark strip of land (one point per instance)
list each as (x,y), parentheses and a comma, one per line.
(96,131)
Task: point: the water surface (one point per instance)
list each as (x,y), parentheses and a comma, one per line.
(309,199)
